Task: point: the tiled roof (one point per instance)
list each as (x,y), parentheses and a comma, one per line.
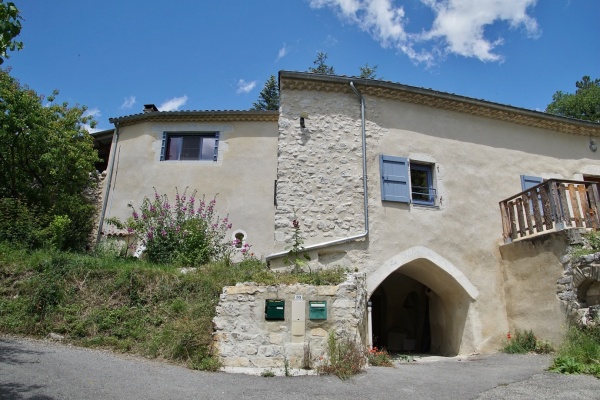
(200,116)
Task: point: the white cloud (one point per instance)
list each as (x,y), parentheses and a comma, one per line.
(458,26)
(245,87)
(128,102)
(330,41)
(173,104)
(282,52)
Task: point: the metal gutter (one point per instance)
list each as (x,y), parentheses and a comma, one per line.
(109,180)
(365,189)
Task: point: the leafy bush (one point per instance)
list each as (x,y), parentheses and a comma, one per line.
(19,223)
(345,357)
(49,158)
(525,342)
(187,233)
(580,352)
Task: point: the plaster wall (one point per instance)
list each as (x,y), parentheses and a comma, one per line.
(531,270)
(477,163)
(243,175)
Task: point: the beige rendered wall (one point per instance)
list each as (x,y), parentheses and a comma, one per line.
(243,177)
(531,269)
(478,162)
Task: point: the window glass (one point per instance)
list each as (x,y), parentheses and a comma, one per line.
(422,184)
(190,150)
(190,146)
(174,148)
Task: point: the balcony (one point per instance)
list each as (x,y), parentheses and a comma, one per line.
(553,205)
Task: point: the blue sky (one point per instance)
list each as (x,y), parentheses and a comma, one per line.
(114,56)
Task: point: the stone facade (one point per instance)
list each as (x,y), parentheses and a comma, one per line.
(577,288)
(448,252)
(244,339)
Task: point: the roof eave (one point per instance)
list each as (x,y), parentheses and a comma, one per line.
(310,81)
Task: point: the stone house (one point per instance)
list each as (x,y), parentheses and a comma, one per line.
(458,210)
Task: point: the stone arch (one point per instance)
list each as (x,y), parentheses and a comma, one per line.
(447,291)
(415,253)
(584,278)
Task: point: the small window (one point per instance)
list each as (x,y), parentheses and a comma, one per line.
(407,181)
(421,184)
(190,146)
(239,240)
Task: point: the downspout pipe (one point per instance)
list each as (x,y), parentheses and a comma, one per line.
(113,150)
(365,190)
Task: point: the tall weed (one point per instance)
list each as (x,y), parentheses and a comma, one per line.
(345,357)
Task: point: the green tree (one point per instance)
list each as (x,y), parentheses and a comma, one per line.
(584,104)
(320,66)
(368,72)
(268,99)
(10,27)
(46,158)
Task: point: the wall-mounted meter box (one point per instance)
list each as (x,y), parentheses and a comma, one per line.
(317,310)
(274,310)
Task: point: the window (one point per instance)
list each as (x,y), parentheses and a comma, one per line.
(406,182)
(190,146)
(421,183)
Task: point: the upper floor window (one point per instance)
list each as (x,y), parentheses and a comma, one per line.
(404,181)
(190,146)
(421,183)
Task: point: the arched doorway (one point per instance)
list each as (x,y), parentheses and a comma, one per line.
(419,303)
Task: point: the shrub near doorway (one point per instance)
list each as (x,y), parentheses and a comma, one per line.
(525,342)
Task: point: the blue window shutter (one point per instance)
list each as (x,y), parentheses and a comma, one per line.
(163,147)
(394,179)
(215,156)
(530,181)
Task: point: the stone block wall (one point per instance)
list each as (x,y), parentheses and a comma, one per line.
(319,168)
(244,339)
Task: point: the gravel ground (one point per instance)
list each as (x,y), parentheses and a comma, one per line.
(43,370)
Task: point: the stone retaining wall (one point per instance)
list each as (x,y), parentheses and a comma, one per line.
(244,339)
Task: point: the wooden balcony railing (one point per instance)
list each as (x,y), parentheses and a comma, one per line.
(553,205)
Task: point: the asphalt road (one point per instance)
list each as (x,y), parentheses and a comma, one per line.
(42,370)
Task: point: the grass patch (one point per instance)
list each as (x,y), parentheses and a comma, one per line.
(580,352)
(125,305)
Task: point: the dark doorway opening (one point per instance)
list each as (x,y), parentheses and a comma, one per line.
(400,315)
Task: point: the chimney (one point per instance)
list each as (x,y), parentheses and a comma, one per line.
(148,108)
